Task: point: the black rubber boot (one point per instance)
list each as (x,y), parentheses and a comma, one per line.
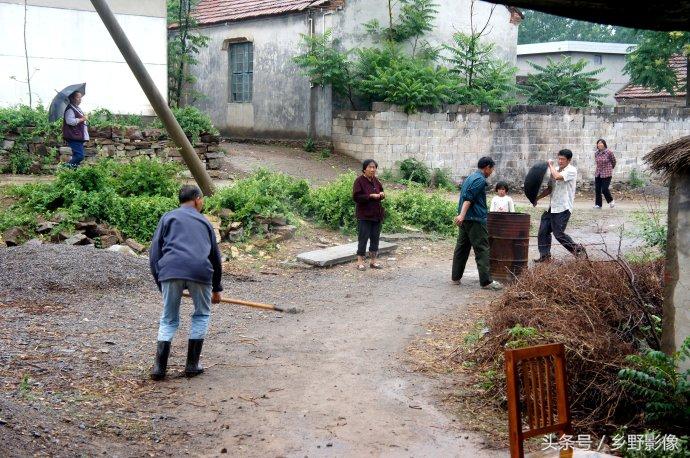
(545,258)
(193,352)
(161,363)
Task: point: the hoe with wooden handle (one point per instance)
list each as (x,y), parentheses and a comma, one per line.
(257,305)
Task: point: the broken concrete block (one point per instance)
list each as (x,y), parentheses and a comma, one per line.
(235,235)
(13,236)
(108,240)
(284,232)
(136,246)
(77,239)
(45,227)
(226,214)
(124,249)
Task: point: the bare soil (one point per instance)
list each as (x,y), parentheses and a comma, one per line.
(358,372)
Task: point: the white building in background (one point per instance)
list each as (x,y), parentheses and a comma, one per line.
(609,56)
(67,43)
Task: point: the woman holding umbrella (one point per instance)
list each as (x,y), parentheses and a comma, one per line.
(74,128)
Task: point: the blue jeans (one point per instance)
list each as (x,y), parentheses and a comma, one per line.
(170,318)
(77,152)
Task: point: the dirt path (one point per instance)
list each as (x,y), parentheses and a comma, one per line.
(243,158)
(77,336)
(328,381)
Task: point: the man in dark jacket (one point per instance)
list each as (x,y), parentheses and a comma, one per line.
(472,217)
(184,255)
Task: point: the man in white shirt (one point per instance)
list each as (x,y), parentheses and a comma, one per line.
(555,219)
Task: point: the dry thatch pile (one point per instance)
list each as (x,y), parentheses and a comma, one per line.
(671,158)
(599,310)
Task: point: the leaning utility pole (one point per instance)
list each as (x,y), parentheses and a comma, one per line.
(157,101)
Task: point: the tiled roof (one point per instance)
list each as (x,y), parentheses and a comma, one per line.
(215,11)
(678,64)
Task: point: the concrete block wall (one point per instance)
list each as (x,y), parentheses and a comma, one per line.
(457,136)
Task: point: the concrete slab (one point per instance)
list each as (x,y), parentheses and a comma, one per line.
(339,254)
(400,237)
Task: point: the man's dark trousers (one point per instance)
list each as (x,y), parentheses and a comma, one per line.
(555,223)
(473,234)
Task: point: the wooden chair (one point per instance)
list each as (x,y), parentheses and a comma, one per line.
(537,384)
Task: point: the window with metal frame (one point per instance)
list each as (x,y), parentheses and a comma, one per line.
(241,72)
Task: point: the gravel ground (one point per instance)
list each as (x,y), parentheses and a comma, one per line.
(31,271)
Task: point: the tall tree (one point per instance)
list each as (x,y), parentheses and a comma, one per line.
(563,83)
(649,64)
(538,27)
(183,46)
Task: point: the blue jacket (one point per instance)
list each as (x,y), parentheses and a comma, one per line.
(474,190)
(184,247)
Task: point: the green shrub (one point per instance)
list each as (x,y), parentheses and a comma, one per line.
(332,205)
(147,177)
(413,170)
(387,175)
(27,121)
(653,229)
(264,193)
(193,123)
(481,78)
(431,212)
(130,196)
(563,83)
(521,336)
(658,380)
(309,145)
(137,217)
(20,160)
(441,179)
(406,81)
(636,180)
(16,218)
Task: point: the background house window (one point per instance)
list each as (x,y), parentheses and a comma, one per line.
(241,71)
(597,59)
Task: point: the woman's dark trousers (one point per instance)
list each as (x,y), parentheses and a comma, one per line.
(555,223)
(601,185)
(473,234)
(368,231)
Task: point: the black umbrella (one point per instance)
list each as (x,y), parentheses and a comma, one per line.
(534,180)
(61,100)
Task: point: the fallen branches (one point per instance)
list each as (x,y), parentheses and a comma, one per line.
(601,311)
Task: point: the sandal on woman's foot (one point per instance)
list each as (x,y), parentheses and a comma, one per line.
(375,265)
(361,267)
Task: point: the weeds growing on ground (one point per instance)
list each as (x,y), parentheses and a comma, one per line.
(132,197)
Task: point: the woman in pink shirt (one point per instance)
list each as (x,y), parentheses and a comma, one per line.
(605,163)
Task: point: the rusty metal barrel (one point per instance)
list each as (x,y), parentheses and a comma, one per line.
(509,244)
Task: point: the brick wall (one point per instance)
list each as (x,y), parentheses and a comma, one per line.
(456,137)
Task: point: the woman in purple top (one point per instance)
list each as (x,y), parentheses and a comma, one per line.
(605,162)
(74,129)
(367,192)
